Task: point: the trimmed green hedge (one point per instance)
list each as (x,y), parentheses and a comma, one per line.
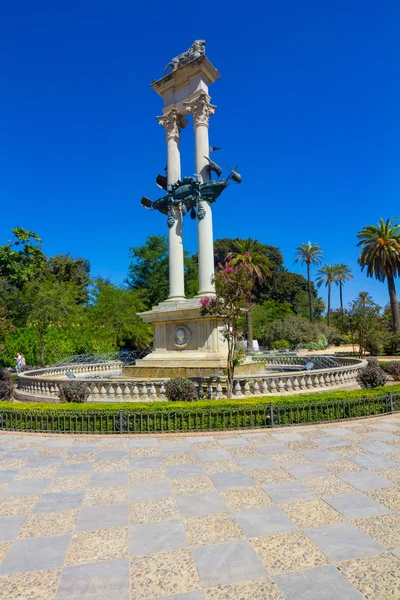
(198,416)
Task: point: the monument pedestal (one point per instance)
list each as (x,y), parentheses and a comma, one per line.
(185,343)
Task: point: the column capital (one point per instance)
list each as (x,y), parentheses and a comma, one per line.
(172,122)
(201,109)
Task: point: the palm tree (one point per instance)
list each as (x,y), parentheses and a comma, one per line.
(327,275)
(343,274)
(309,254)
(250,252)
(380,254)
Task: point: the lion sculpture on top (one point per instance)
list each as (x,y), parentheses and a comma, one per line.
(197,49)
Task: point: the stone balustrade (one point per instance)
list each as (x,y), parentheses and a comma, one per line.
(43,384)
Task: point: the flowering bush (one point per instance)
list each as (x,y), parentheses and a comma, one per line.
(6,385)
(73,391)
(180,388)
(233,282)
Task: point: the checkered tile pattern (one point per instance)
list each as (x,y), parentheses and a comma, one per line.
(311,512)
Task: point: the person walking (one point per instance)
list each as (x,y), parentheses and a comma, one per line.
(18,358)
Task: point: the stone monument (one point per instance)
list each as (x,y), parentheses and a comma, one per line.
(185,343)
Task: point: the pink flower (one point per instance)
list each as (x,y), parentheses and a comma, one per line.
(204,301)
(228,270)
(246,254)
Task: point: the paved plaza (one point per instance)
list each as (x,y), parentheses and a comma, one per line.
(300,513)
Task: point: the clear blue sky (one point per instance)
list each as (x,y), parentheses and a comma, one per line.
(308,106)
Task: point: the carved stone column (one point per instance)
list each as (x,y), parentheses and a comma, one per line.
(173,123)
(201,110)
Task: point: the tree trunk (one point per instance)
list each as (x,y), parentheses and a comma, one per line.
(341,302)
(394,303)
(309,292)
(42,352)
(329,305)
(249,318)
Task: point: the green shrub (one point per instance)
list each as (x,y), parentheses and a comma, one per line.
(372,376)
(73,391)
(180,388)
(280,345)
(6,385)
(392,368)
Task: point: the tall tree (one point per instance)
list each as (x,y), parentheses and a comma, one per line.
(343,274)
(309,254)
(326,276)
(250,252)
(380,255)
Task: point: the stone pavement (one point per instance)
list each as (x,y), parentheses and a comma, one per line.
(299,513)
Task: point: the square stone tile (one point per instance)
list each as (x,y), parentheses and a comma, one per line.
(59,501)
(312,513)
(46,461)
(146,462)
(262,589)
(235,442)
(148,511)
(148,475)
(338,431)
(228,563)
(15,505)
(186,470)
(112,455)
(185,486)
(221,466)
(25,488)
(32,585)
(102,517)
(227,481)
(373,461)
(389,497)
(212,529)
(49,524)
(83,448)
(309,471)
(356,505)
(384,529)
(256,462)
(6,476)
(376,577)
(24,453)
(322,583)
(264,476)
(10,527)
(198,439)
(96,581)
(343,541)
(377,447)
(319,455)
(176,449)
(201,504)
(152,538)
(149,580)
(68,484)
(331,442)
(150,490)
(106,495)
(288,491)
(328,486)
(289,551)
(244,498)
(341,466)
(77,470)
(365,480)
(96,546)
(36,554)
(212,455)
(263,521)
(274,448)
(288,437)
